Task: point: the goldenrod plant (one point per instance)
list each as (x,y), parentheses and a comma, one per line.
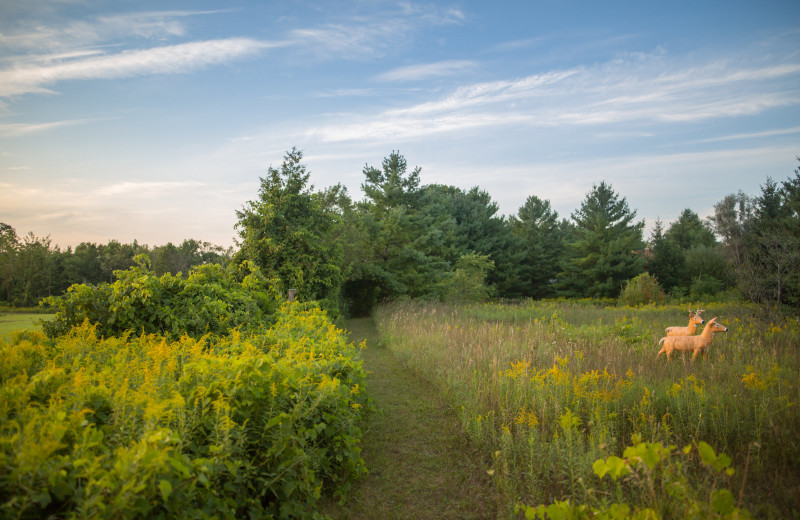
(254,424)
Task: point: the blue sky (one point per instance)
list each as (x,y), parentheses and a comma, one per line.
(154,120)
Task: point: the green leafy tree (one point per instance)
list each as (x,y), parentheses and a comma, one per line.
(211,299)
(602,253)
(709,261)
(668,262)
(116,256)
(537,227)
(641,290)
(761,238)
(28,267)
(468,283)
(9,244)
(773,260)
(286,232)
(731,221)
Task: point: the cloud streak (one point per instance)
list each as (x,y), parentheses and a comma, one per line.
(171,59)
(622,91)
(427,71)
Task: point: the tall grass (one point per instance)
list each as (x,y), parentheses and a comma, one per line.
(548,388)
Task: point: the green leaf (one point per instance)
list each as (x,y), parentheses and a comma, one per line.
(166,489)
(706,452)
(722,501)
(613,465)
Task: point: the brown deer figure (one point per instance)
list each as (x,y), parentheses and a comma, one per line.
(697,344)
(694,320)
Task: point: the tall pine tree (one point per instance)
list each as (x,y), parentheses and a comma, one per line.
(605,249)
(536,225)
(286,232)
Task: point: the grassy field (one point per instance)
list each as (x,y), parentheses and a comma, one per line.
(10,322)
(548,389)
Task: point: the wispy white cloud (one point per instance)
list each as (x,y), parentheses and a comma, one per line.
(146,189)
(20,129)
(374,35)
(32,34)
(159,60)
(752,135)
(433,13)
(428,70)
(642,89)
(355,40)
(515,45)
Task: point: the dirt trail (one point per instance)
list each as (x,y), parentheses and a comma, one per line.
(419,465)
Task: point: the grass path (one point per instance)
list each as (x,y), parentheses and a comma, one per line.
(419,465)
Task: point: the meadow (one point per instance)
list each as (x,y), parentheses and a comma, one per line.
(578,416)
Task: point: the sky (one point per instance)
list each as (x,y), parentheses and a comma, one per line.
(155,120)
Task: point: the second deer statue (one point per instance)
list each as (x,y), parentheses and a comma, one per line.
(694,320)
(697,344)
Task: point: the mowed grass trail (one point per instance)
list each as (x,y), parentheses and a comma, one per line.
(420,466)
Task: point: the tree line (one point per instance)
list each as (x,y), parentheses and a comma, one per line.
(32,268)
(409,239)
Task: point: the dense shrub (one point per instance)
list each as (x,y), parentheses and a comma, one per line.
(249,425)
(641,290)
(211,299)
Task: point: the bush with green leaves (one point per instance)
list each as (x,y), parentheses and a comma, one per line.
(245,426)
(641,290)
(211,299)
(468,282)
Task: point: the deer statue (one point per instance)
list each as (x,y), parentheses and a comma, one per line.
(697,344)
(694,320)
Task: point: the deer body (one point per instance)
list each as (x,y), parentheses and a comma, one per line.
(694,320)
(696,344)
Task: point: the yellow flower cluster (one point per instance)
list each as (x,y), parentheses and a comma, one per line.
(755,379)
(526,417)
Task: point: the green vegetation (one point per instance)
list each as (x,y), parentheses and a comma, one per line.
(286,233)
(209,300)
(17,321)
(552,387)
(179,382)
(419,464)
(247,425)
(406,239)
(31,268)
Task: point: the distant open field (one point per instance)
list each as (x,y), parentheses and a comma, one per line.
(10,322)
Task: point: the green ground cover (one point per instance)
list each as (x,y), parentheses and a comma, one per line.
(10,322)
(420,465)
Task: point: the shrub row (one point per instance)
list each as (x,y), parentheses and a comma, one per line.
(211,299)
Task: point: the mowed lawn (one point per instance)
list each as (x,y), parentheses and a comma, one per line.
(9,322)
